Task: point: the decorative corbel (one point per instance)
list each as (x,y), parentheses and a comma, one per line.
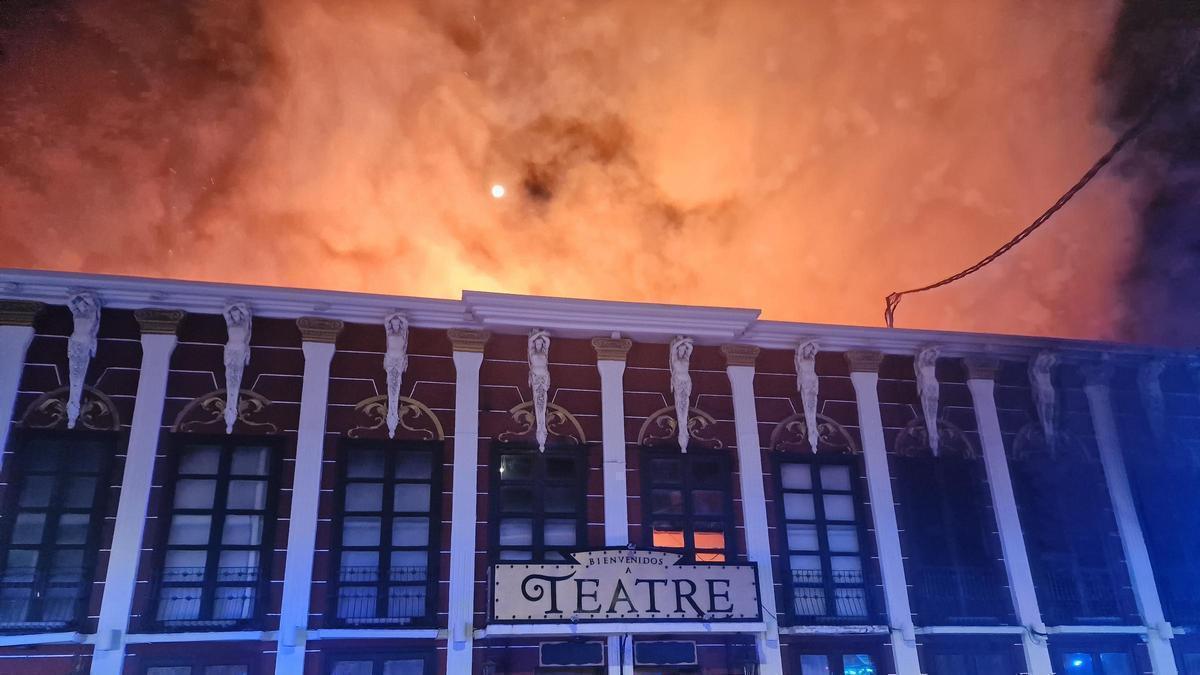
(237,356)
(395,362)
(1152,396)
(925,366)
(1041,380)
(681,385)
(539,379)
(808,385)
(81,347)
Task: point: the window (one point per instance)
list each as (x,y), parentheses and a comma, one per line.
(1094,662)
(198,670)
(381,664)
(824,538)
(386,534)
(220,498)
(969,657)
(538,503)
(687,503)
(50,529)
(837,664)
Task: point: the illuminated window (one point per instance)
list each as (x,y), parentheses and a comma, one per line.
(381,664)
(538,503)
(837,664)
(687,503)
(386,534)
(49,532)
(969,657)
(220,503)
(1094,662)
(824,538)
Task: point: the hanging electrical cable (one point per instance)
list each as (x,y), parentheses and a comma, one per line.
(893,300)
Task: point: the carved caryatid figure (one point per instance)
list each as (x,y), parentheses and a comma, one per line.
(1041,379)
(681,385)
(81,347)
(237,355)
(395,362)
(925,366)
(808,385)
(1152,396)
(539,380)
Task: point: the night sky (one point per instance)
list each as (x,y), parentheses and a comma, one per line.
(804,158)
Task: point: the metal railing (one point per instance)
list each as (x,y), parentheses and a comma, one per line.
(33,600)
(821,598)
(235,594)
(401,599)
(1072,596)
(960,595)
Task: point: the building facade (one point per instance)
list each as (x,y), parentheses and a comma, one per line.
(205,479)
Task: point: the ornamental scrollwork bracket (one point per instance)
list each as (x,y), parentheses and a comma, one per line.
(660,429)
(412,416)
(560,425)
(211,410)
(914,441)
(49,411)
(793,434)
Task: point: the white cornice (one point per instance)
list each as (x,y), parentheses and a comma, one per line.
(503,313)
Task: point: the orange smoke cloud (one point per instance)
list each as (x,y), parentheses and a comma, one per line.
(805,158)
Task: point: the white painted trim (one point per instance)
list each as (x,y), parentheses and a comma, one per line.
(375,634)
(649,627)
(41,639)
(14,344)
(754,511)
(616,488)
(969,630)
(462,521)
(883,513)
(516,314)
(846,630)
(216,636)
(1012,541)
(125,550)
(1137,557)
(1112,630)
(306,496)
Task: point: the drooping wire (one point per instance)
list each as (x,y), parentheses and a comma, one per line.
(893,300)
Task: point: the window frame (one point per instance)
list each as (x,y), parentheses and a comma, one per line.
(970,646)
(198,663)
(866,552)
(537,514)
(390,448)
(175,445)
(378,657)
(1094,647)
(688,518)
(115,442)
(837,648)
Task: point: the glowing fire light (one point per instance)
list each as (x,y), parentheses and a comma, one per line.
(497,191)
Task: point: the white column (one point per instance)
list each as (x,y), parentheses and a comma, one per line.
(610,360)
(16,333)
(319,337)
(1137,557)
(864,375)
(468,357)
(158,343)
(981,381)
(739,361)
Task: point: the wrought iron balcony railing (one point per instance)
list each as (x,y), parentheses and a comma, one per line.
(958,595)
(363,599)
(33,600)
(840,597)
(187,599)
(1074,596)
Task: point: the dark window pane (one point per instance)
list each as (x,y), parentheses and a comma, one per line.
(80,492)
(36,491)
(410,531)
(666,501)
(516,498)
(561,499)
(795,476)
(559,533)
(247,494)
(707,471)
(72,528)
(708,502)
(412,497)
(1116,663)
(200,459)
(414,466)
(665,470)
(814,664)
(365,464)
(28,528)
(364,497)
(835,478)
(360,531)
(560,468)
(799,506)
(250,461)
(516,467)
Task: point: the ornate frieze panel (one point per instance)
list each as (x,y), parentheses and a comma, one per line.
(81,347)
(560,425)
(794,433)
(395,362)
(49,411)
(914,440)
(412,417)
(207,413)
(740,355)
(467,340)
(611,348)
(925,368)
(681,387)
(319,329)
(236,356)
(538,352)
(662,428)
(159,321)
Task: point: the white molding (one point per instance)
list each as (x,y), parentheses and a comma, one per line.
(125,550)
(375,634)
(1012,542)
(460,620)
(14,344)
(969,630)
(754,511)
(1111,630)
(42,639)
(1137,557)
(846,630)
(606,628)
(567,317)
(883,512)
(306,496)
(215,636)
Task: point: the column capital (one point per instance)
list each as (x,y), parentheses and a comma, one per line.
(862,361)
(159,321)
(468,340)
(981,367)
(319,329)
(611,349)
(1097,373)
(740,355)
(19,312)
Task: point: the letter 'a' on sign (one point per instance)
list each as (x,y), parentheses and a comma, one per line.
(624,585)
